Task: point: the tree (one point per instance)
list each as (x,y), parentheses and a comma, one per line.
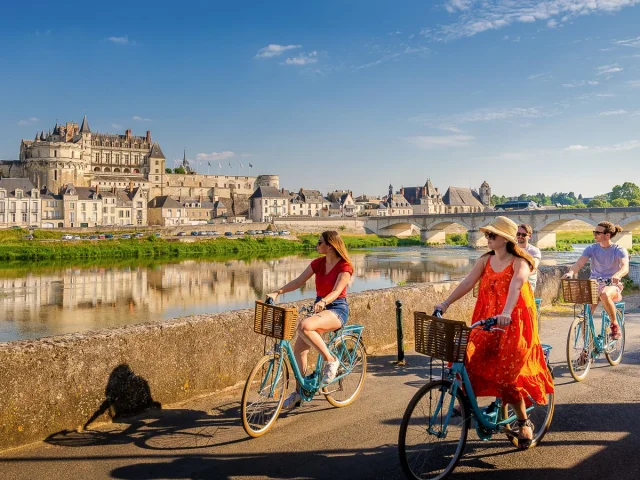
(619,202)
(598,203)
(635,202)
(627,191)
(168,170)
(579,204)
(179,171)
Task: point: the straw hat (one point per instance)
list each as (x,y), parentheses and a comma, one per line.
(504,227)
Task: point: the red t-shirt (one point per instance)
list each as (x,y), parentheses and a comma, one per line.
(326,281)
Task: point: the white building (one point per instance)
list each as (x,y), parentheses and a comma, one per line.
(20,203)
(267,203)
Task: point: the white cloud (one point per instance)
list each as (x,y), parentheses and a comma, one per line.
(117,126)
(580,83)
(634,83)
(275,50)
(629,42)
(119,40)
(576,148)
(302,59)
(442,141)
(609,69)
(540,76)
(620,147)
(28,121)
(215,156)
(477,16)
(486,115)
(611,113)
(137,118)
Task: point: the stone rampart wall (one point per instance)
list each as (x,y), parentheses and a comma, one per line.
(320,224)
(60,383)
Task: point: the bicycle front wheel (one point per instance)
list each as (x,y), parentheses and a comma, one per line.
(541,417)
(579,348)
(428,448)
(353,355)
(614,349)
(263,395)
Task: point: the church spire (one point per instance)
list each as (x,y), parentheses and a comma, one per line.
(84,128)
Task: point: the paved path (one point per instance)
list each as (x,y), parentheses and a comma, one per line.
(595,433)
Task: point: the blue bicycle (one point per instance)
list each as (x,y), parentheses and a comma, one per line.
(268,382)
(435,425)
(584,345)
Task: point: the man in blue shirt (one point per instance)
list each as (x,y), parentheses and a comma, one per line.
(608,260)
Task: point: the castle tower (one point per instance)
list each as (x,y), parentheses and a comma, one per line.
(157,165)
(485,194)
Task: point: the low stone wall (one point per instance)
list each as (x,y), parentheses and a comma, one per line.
(61,383)
(320,224)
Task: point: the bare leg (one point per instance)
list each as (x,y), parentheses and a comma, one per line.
(607,297)
(314,326)
(520,410)
(300,352)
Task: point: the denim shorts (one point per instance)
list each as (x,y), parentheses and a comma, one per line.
(339,307)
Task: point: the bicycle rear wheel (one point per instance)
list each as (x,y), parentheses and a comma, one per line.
(427,449)
(353,355)
(614,349)
(541,417)
(579,348)
(263,395)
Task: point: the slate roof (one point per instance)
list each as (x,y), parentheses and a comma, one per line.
(164,201)
(396,200)
(11,184)
(268,192)
(84,128)
(461,197)
(156,152)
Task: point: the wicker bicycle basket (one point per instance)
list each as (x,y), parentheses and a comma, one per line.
(441,338)
(277,322)
(580,291)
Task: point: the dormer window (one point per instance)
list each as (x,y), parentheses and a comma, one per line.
(18,193)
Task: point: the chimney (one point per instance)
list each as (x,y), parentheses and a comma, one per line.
(130,186)
(148,136)
(128,133)
(402,191)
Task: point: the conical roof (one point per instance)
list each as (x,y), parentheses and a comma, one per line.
(84,128)
(156,152)
(42,137)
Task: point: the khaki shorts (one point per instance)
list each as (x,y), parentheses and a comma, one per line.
(619,286)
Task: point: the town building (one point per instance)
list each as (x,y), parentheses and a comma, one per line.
(426,200)
(164,211)
(306,203)
(394,204)
(268,203)
(342,204)
(20,203)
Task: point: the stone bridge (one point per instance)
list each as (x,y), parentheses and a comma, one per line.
(545,223)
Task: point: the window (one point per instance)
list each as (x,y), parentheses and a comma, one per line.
(55,175)
(72,205)
(98,157)
(24,218)
(128,212)
(83,207)
(118,158)
(105,209)
(95,207)
(126,157)
(157,171)
(18,193)
(139,204)
(107,157)
(55,153)
(3,194)
(13,218)
(157,179)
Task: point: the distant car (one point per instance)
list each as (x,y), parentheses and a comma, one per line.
(76,237)
(239,233)
(109,236)
(16,227)
(251,232)
(202,234)
(182,234)
(157,235)
(93,237)
(139,235)
(214,233)
(67,237)
(28,237)
(101,237)
(228,234)
(126,236)
(269,234)
(194,234)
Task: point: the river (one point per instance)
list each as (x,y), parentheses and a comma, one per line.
(40,301)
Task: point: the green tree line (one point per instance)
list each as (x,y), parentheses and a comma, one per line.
(625,195)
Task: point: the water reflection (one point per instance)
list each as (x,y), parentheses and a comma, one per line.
(56,300)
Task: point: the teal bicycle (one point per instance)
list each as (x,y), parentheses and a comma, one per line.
(584,345)
(268,382)
(435,425)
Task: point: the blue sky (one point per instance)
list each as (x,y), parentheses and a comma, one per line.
(532,96)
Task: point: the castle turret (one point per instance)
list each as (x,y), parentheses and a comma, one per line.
(485,194)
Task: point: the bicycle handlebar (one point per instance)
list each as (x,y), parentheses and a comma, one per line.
(488,324)
(303,309)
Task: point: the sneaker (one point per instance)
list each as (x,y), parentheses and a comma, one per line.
(330,371)
(615,332)
(292,401)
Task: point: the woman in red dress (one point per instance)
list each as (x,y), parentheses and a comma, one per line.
(509,365)
(333,273)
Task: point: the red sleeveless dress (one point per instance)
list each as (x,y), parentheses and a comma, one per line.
(509,364)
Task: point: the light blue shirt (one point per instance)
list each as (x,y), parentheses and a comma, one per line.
(605,261)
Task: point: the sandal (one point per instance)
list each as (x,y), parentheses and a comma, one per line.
(524,442)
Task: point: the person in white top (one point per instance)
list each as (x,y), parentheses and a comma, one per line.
(524,234)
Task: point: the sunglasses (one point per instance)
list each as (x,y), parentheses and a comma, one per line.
(596,232)
(519,234)
(490,236)
(320,242)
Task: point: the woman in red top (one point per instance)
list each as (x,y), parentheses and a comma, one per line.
(333,273)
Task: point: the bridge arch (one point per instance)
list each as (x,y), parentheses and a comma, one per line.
(552,225)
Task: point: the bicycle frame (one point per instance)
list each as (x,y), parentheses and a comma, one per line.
(598,340)
(310,385)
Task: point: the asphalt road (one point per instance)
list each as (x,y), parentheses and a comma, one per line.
(595,433)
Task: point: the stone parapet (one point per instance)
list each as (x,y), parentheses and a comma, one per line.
(61,383)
